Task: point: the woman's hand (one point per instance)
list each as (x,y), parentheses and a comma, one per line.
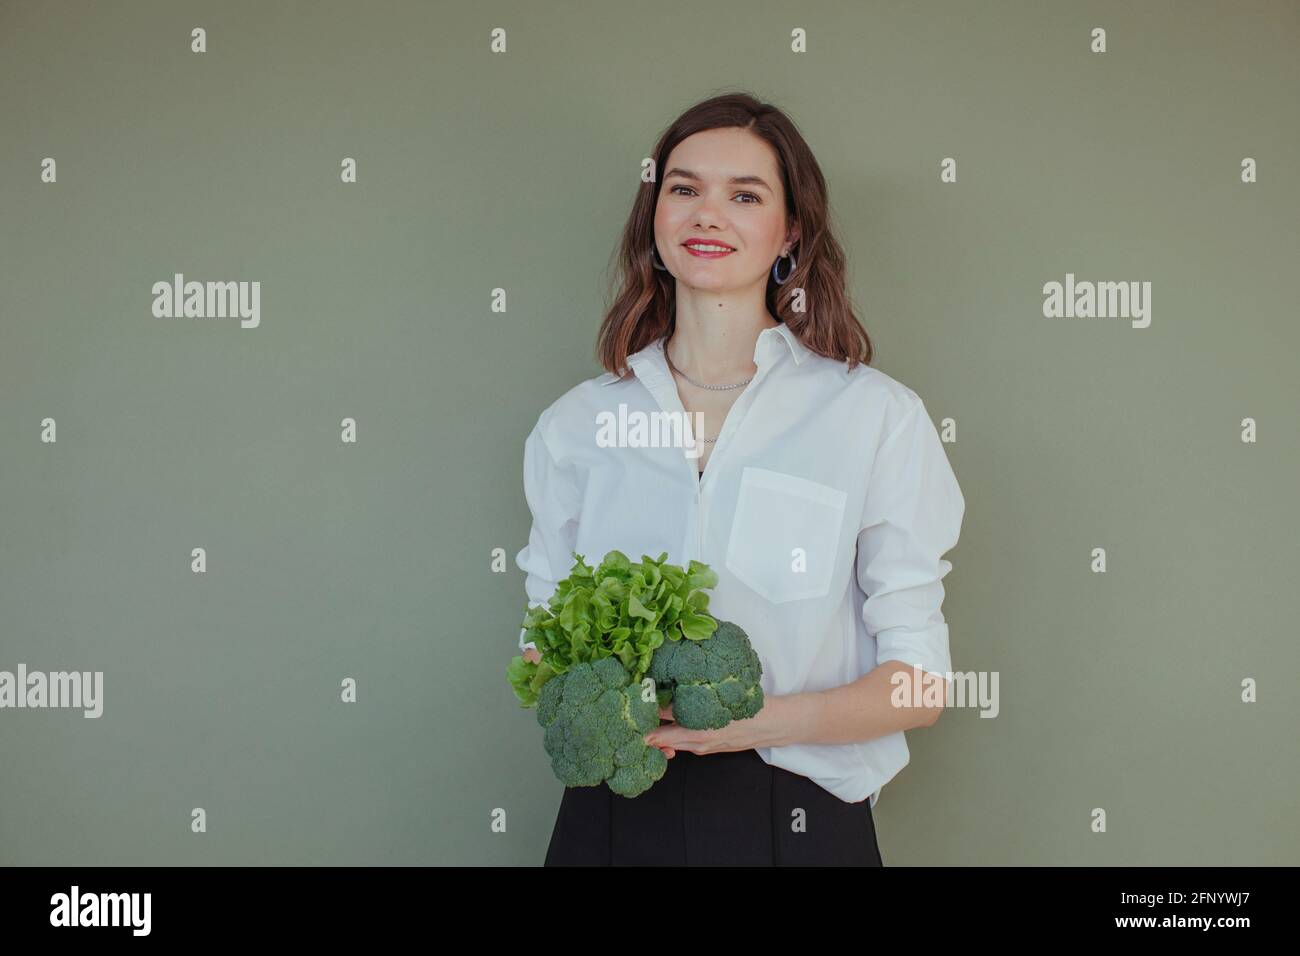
(768,728)
(665,713)
(531,655)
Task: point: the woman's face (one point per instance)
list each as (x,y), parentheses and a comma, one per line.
(699,201)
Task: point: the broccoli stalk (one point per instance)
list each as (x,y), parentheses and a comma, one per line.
(710,682)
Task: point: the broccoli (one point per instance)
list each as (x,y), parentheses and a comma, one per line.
(596,722)
(710,682)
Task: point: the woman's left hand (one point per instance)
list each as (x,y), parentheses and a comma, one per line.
(764,729)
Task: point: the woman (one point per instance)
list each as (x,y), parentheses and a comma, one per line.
(818,490)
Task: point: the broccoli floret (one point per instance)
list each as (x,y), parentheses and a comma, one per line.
(710,682)
(596,724)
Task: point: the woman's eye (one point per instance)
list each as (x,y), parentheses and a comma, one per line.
(674,191)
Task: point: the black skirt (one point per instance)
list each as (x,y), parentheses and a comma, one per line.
(721,809)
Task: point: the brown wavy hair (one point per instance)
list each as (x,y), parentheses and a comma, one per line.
(645,305)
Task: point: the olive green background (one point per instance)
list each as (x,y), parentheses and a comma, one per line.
(477,171)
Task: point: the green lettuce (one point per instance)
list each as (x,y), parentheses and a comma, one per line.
(621,609)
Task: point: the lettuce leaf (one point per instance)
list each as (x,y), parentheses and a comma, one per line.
(620,608)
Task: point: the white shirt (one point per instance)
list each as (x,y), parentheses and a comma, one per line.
(846,466)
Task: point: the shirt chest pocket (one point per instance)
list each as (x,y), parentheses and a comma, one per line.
(785,535)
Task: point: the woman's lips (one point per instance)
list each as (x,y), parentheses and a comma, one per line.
(703,254)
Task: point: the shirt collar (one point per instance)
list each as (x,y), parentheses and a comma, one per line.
(650,360)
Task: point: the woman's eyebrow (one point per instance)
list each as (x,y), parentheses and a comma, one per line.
(734,180)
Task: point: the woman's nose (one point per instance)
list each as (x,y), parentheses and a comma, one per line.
(708,211)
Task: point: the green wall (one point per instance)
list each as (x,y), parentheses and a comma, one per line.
(476,170)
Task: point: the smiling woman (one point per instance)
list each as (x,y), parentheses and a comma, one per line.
(825,507)
(736,174)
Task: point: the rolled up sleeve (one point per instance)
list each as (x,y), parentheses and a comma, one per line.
(912,515)
(553,499)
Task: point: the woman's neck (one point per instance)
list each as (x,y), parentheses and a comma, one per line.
(718,346)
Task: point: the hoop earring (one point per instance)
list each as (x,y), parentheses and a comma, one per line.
(777,279)
(654,258)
